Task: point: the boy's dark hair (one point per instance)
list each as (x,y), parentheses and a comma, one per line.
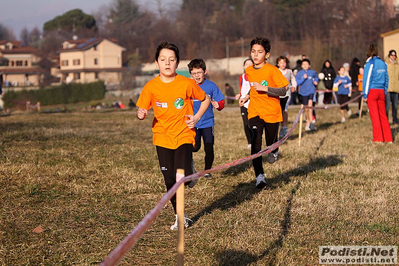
(196,63)
(282,57)
(265,42)
(372,51)
(248,59)
(170,46)
(306,60)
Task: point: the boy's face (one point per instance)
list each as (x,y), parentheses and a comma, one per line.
(258,55)
(167,63)
(361,71)
(305,65)
(341,71)
(247,64)
(198,74)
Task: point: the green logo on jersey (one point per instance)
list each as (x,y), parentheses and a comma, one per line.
(179,103)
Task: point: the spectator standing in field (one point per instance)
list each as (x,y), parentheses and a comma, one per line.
(205,127)
(131,104)
(360,86)
(244,91)
(393,86)
(264,111)
(282,63)
(307,79)
(353,73)
(295,70)
(344,85)
(329,76)
(229,93)
(171,97)
(375,87)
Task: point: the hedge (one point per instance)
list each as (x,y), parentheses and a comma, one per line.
(63,94)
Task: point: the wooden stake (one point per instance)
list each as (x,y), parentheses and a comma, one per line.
(180,218)
(300,126)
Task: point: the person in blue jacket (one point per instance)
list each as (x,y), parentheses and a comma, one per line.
(344,85)
(307,79)
(375,87)
(205,126)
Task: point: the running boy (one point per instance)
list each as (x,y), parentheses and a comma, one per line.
(264,111)
(344,84)
(170,96)
(307,79)
(205,126)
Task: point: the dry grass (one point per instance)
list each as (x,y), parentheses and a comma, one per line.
(88,178)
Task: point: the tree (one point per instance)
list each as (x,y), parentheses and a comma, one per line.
(71,21)
(6,33)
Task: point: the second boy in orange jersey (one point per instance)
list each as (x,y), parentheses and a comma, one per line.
(264,111)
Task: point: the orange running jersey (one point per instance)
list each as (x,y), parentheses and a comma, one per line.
(171,102)
(266,107)
(360,82)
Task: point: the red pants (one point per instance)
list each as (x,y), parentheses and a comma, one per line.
(379,120)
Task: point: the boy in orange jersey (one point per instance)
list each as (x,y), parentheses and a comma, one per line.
(171,97)
(360,86)
(264,111)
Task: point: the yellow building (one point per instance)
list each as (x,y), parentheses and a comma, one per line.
(89,60)
(19,64)
(391,41)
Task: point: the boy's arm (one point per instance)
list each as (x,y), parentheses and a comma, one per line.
(299,78)
(193,119)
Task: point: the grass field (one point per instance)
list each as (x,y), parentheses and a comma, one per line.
(88,178)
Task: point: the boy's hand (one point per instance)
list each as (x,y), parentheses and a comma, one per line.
(237,96)
(141,113)
(259,87)
(215,104)
(191,121)
(339,82)
(305,76)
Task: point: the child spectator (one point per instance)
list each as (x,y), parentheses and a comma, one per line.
(171,97)
(244,90)
(344,85)
(307,79)
(329,76)
(360,86)
(205,126)
(264,111)
(283,65)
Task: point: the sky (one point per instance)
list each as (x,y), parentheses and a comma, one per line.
(19,14)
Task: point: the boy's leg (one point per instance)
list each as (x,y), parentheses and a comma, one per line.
(271,138)
(209,139)
(394,99)
(256,125)
(166,163)
(247,130)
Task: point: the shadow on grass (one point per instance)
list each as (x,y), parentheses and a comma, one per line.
(246,191)
(395,131)
(237,257)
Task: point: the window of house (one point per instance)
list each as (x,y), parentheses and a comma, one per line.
(12,63)
(19,62)
(8,47)
(64,62)
(76,76)
(96,75)
(95,47)
(26,63)
(95,61)
(76,62)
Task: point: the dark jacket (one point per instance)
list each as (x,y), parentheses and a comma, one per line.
(329,75)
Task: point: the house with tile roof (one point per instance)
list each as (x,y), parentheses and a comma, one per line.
(89,60)
(19,64)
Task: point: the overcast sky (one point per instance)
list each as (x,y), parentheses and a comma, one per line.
(18,14)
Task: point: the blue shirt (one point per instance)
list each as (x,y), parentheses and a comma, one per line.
(375,76)
(210,88)
(341,87)
(307,87)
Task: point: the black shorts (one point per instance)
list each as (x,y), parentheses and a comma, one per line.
(208,135)
(343,98)
(305,99)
